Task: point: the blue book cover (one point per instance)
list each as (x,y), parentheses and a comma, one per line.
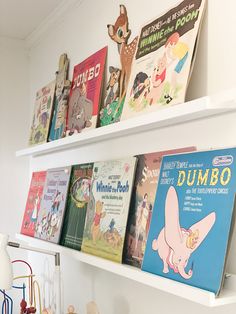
(192,218)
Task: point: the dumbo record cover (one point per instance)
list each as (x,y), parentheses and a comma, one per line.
(85,93)
(192,220)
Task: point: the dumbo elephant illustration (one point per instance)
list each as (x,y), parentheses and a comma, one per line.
(175,244)
(80,111)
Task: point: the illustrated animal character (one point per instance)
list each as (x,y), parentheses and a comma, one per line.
(120,33)
(112,86)
(158,78)
(81,111)
(175,244)
(95,228)
(113,238)
(140,90)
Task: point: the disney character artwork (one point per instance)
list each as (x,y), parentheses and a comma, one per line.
(50,222)
(120,33)
(175,244)
(33,203)
(85,93)
(112,86)
(143,197)
(165,53)
(82,193)
(76,207)
(42,114)
(140,90)
(95,229)
(108,206)
(51,213)
(155,89)
(81,110)
(188,220)
(176,50)
(58,124)
(112,96)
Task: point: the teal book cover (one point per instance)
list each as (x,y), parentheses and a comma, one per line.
(192,218)
(76,209)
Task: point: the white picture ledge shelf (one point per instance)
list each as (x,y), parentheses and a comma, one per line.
(196,109)
(228,295)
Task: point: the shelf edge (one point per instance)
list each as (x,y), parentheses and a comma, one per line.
(196,109)
(163,284)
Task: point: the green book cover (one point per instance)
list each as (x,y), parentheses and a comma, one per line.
(76,208)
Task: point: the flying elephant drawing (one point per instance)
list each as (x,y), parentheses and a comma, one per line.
(175,244)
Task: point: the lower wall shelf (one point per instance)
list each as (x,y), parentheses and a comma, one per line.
(228,294)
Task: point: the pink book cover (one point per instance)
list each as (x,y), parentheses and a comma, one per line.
(85,93)
(33,203)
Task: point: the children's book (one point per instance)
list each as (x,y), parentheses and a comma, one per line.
(164,59)
(33,203)
(52,207)
(108,207)
(42,114)
(76,208)
(119,32)
(85,93)
(193,218)
(111,100)
(142,201)
(60,106)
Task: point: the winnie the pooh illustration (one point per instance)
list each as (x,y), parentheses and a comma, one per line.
(95,228)
(158,78)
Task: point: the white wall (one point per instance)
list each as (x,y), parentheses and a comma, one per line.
(14,129)
(80,32)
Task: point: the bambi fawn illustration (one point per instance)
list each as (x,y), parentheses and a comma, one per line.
(120,33)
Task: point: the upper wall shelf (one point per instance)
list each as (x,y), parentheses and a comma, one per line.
(200,108)
(193,294)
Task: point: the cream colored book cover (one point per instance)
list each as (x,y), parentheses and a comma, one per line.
(42,114)
(108,208)
(163,60)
